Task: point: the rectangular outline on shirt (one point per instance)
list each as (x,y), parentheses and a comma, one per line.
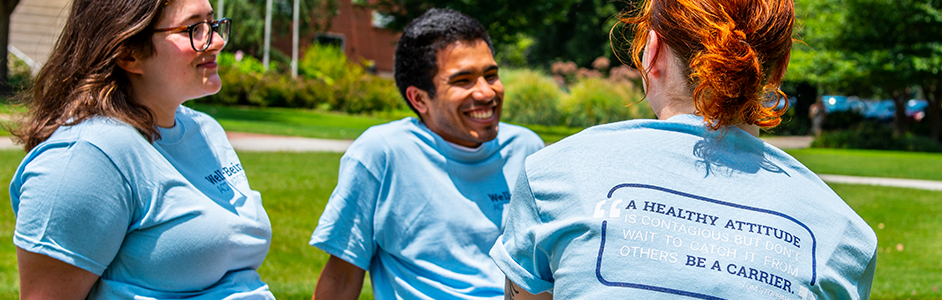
(598,264)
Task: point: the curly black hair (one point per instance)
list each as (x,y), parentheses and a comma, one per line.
(416,61)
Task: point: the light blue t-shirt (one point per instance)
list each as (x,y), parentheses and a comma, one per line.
(421,214)
(663,209)
(175,219)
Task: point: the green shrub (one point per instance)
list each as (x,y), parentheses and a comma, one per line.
(328,63)
(371,93)
(875,136)
(842,120)
(328,82)
(20,74)
(239,79)
(792,124)
(594,101)
(530,97)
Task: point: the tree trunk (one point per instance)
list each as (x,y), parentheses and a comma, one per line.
(933,92)
(807,94)
(6,10)
(900,120)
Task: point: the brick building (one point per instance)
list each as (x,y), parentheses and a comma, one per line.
(35,25)
(359,31)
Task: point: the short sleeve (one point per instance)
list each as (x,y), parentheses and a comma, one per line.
(516,251)
(345,229)
(866,280)
(72,204)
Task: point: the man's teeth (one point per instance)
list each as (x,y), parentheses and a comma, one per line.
(482,114)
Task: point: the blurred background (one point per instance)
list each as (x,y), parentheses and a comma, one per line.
(869,72)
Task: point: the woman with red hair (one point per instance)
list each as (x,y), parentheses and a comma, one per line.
(692,204)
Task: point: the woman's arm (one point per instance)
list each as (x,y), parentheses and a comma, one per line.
(44,277)
(512,291)
(339,280)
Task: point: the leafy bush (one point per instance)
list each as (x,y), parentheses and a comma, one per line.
(327,82)
(239,79)
(530,97)
(842,120)
(329,64)
(792,124)
(876,136)
(20,74)
(594,101)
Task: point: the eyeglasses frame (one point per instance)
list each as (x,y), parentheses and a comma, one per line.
(189,30)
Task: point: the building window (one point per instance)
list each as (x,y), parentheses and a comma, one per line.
(381,20)
(332,39)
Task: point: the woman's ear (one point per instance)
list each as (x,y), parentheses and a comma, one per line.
(128,62)
(418,98)
(783,67)
(652,49)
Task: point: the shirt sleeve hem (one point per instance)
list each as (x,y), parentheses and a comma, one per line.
(58,253)
(343,254)
(515,272)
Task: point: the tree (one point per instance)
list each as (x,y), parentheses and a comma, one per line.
(6,10)
(505,21)
(877,47)
(581,34)
(248,25)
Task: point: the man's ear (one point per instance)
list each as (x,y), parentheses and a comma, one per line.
(128,62)
(418,98)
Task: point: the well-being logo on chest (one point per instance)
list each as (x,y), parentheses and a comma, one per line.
(498,200)
(227,177)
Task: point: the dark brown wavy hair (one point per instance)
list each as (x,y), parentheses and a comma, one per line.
(81,79)
(736,52)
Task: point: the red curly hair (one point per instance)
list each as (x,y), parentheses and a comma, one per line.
(736,52)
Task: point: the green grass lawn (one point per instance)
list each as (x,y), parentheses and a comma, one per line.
(910,218)
(294,122)
(328,125)
(295,188)
(872,163)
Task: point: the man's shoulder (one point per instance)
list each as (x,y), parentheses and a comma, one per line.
(390,134)
(388,137)
(515,134)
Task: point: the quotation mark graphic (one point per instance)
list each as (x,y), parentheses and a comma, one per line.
(600,212)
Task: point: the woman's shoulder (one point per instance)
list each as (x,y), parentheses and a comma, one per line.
(119,142)
(100,131)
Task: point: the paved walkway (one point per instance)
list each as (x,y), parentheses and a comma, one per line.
(789,142)
(261,142)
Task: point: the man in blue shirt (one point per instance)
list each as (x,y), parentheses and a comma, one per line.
(420,202)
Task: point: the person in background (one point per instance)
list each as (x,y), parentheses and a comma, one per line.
(691,205)
(818,115)
(124,192)
(419,202)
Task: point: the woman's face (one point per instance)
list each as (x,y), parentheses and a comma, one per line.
(176,69)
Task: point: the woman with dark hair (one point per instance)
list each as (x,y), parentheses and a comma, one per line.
(124,192)
(691,205)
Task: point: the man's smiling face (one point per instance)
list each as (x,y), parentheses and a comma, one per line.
(466,107)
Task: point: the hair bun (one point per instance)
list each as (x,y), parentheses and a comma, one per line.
(728,73)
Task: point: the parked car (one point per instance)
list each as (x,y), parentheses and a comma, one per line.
(791,103)
(843,103)
(916,109)
(880,110)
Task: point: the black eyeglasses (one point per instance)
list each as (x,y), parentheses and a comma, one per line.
(201,34)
